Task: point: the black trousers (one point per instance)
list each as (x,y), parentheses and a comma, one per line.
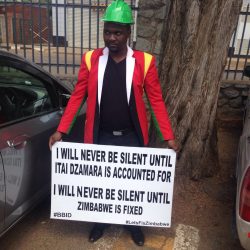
(129,139)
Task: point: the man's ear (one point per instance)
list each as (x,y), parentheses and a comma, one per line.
(129,29)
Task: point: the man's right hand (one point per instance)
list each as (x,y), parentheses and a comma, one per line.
(57,136)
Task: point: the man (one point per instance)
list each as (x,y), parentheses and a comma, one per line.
(113,80)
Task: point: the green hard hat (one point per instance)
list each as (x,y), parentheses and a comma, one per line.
(118,12)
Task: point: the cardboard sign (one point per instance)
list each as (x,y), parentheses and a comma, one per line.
(111,184)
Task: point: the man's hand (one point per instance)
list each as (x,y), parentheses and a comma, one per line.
(173,145)
(57,136)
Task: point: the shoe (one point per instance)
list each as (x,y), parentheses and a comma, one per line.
(95,234)
(137,236)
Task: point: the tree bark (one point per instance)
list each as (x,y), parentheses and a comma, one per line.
(197,35)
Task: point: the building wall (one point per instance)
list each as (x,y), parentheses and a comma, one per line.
(233,97)
(151,18)
(84,28)
(20,22)
(79,26)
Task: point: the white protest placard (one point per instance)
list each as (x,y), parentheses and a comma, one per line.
(111,184)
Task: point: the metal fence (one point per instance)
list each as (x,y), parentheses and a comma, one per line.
(54,33)
(238,53)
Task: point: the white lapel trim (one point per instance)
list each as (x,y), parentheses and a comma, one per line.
(130,66)
(101,69)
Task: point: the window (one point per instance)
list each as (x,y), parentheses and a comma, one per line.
(21,95)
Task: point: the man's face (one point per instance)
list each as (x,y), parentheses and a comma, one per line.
(115,36)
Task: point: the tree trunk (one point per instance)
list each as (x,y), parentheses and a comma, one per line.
(192,62)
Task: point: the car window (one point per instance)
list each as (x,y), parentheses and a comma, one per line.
(21,95)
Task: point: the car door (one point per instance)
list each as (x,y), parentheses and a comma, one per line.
(2,194)
(29,114)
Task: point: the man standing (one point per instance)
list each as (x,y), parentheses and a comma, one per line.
(112,80)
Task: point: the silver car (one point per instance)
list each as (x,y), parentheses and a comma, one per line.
(31,105)
(243,179)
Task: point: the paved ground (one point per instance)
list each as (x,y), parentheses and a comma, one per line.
(202,213)
(39,232)
(202,216)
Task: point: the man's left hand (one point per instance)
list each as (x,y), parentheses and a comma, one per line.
(173,145)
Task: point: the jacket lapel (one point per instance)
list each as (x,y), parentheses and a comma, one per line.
(130,66)
(101,70)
